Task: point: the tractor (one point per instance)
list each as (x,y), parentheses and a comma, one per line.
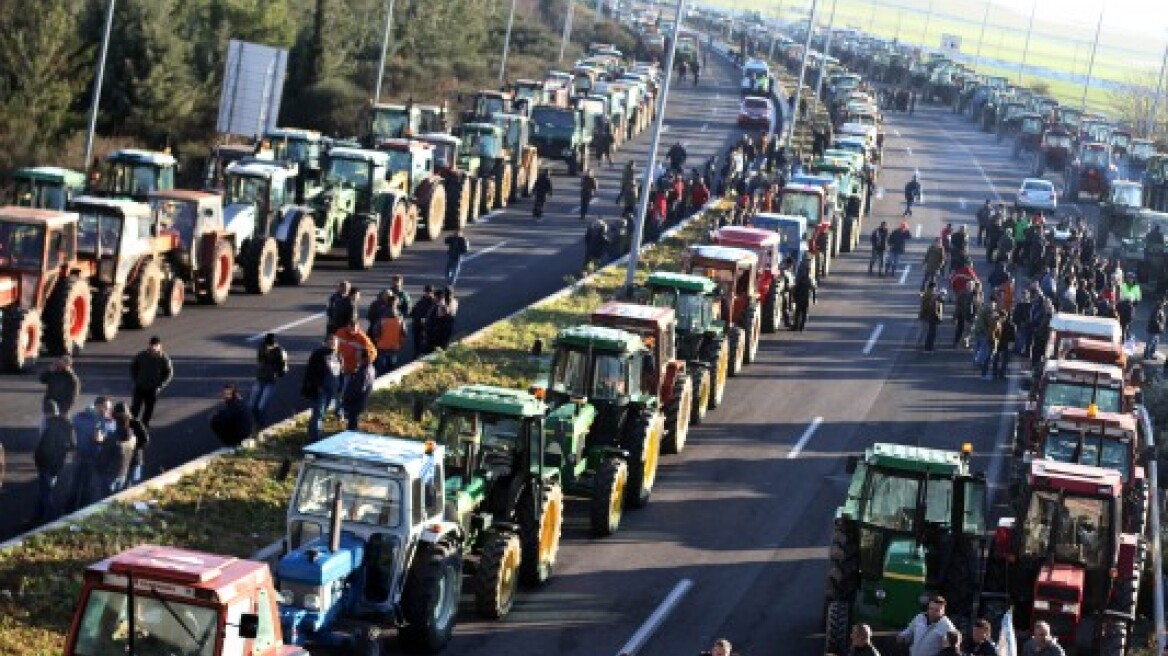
(1137,253)
(458,175)
(735,272)
(1063,558)
(912,527)
(485,103)
(606,422)
(46,187)
(302,152)
(773,284)
(397,121)
(166,600)
(357,210)
(1069,119)
(1138,156)
(132,173)
(1009,119)
(1054,151)
(369,547)
(274,237)
(205,258)
(1120,142)
(421,190)
(677,394)
(793,244)
(701,334)
(851,196)
(44,289)
(812,200)
(1091,171)
(502,487)
(521,155)
(222,156)
(485,143)
(561,133)
(1156,183)
(1118,211)
(1066,384)
(1029,138)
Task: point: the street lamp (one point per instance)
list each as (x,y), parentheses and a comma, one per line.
(384,51)
(96,101)
(1026,45)
(981,37)
(826,52)
(507,44)
(802,72)
(1156,98)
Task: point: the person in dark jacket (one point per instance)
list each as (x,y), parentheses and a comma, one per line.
(232,421)
(1006,338)
(339,308)
(934,315)
(803,291)
(127,429)
(541,190)
(912,194)
(117,452)
(151,371)
(457,247)
(357,391)
(981,645)
(588,190)
(897,241)
(56,443)
(596,243)
(61,384)
(1155,329)
(322,382)
(879,240)
(91,428)
(271,366)
(418,315)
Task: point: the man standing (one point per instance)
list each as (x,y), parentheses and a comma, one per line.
(390,338)
(912,194)
(541,190)
(927,633)
(457,247)
(151,371)
(398,291)
(56,442)
(588,190)
(802,293)
(271,365)
(879,241)
(983,221)
(935,314)
(981,645)
(91,427)
(322,382)
(897,241)
(339,308)
(61,384)
(933,263)
(418,315)
(862,641)
(628,188)
(1155,329)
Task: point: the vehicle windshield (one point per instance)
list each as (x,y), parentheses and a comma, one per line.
(1037,185)
(1127,195)
(1094,156)
(444,154)
(692,309)
(162,627)
(292,150)
(1075,395)
(756,104)
(1076,529)
(176,215)
(1032,125)
(22,246)
(1121,140)
(552,121)
(1143,150)
(390,123)
(399,160)
(892,500)
(352,172)
(481,144)
(1063,447)
(45,195)
(489,106)
(129,179)
(804,205)
(570,375)
(367,499)
(497,435)
(246,189)
(1058,140)
(98,234)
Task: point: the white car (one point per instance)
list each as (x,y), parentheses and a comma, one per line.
(1036,194)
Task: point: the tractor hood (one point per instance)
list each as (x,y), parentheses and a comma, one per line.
(313,564)
(312,582)
(895,598)
(240,219)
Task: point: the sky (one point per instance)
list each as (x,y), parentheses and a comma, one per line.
(1148,17)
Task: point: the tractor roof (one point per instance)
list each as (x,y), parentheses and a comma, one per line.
(53,174)
(1113,424)
(632,313)
(596,337)
(121,206)
(683,281)
(1105,327)
(1081,479)
(724,254)
(375,449)
(746,237)
(1083,371)
(495,400)
(441,137)
(259,168)
(800,188)
(1127,184)
(243,150)
(914,458)
(184,570)
(136,155)
(401,144)
(376,157)
(297,134)
(1092,350)
(773,221)
(186,195)
(49,218)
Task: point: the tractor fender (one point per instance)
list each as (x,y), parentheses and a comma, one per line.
(425,189)
(441,531)
(673,370)
(288,221)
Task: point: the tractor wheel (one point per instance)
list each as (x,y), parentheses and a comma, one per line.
(677,415)
(843,573)
(1114,639)
(216,285)
(754,320)
(487,189)
(411,226)
(476,202)
(430,598)
(644,446)
(393,232)
(702,396)
(362,246)
(1139,507)
(174,296)
(771,312)
(20,340)
(107,314)
(608,497)
(261,263)
(298,253)
(458,213)
(143,296)
(539,531)
(503,184)
(434,216)
(837,627)
(67,317)
(716,353)
(737,346)
(497,575)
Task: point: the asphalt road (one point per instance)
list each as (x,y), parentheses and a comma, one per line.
(738,527)
(513,262)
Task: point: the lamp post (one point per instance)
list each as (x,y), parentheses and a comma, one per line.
(826,52)
(1091,64)
(802,72)
(567,28)
(1156,98)
(985,19)
(1026,45)
(384,52)
(507,44)
(928,19)
(96,101)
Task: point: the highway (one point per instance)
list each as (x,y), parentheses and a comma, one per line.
(513,262)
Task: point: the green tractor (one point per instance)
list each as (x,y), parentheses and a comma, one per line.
(46,187)
(357,210)
(502,487)
(701,336)
(487,143)
(607,424)
(912,526)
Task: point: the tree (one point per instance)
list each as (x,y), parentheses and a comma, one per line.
(1132,103)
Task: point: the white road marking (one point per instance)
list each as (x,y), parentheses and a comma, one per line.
(872,340)
(904,274)
(896,132)
(961,201)
(705,126)
(919,226)
(486,250)
(665,128)
(654,622)
(879,193)
(806,436)
(288,326)
(909,150)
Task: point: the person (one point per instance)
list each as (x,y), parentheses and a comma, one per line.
(441,320)
(380,308)
(603,142)
(934,315)
(676,156)
(56,443)
(398,292)
(1007,333)
(232,421)
(322,381)
(126,425)
(117,451)
(968,303)
(91,427)
(721,647)
(952,644)
(862,641)
(1155,329)
(351,342)
(682,67)
(338,308)
(390,339)
(1023,311)
(699,193)
(61,384)
(1042,643)
(983,326)
(697,69)
(981,645)
(457,247)
(912,194)
(879,240)
(595,243)
(802,294)
(984,213)
(588,191)
(358,387)
(934,261)
(1155,237)
(897,241)
(151,371)
(927,633)
(271,365)
(541,190)
(418,315)
(628,188)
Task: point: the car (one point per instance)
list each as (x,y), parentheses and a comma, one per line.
(1036,194)
(756,111)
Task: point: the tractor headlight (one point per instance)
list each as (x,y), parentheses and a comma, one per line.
(285,597)
(880,593)
(312,602)
(1041,604)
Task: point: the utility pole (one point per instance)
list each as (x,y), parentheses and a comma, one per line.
(384,51)
(899,20)
(647,177)
(826,52)
(985,19)
(802,71)
(567,28)
(872,16)
(1091,64)
(507,44)
(1026,45)
(1156,97)
(96,101)
(928,19)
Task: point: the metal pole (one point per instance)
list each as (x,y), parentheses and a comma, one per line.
(507,44)
(802,72)
(567,28)
(928,19)
(872,16)
(1026,45)
(1091,65)
(1154,502)
(826,53)
(650,163)
(96,101)
(1156,98)
(899,19)
(385,51)
(985,19)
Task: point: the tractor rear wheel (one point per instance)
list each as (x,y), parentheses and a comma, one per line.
(107,314)
(67,317)
(411,226)
(216,284)
(608,497)
(754,321)
(677,415)
(837,627)
(458,212)
(487,189)
(539,531)
(737,342)
(644,446)
(701,395)
(362,246)
(174,296)
(504,186)
(430,598)
(20,340)
(497,575)
(393,233)
(261,263)
(144,293)
(434,214)
(716,353)
(771,318)
(298,253)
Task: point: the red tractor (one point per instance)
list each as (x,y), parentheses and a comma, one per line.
(1063,558)
(657,326)
(1091,172)
(1066,384)
(811,202)
(1029,139)
(734,269)
(1055,151)
(773,285)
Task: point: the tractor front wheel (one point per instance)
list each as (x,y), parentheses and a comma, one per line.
(411,226)
(217,278)
(843,573)
(754,321)
(430,598)
(434,216)
(608,497)
(67,317)
(107,314)
(144,293)
(487,191)
(837,627)
(497,575)
(261,263)
(539,531)
(677,415)
(701,395)
(506,189)
(362,243)
(716,353)
(174,296)
(644,447)
(738,339)
(298,254)
(20,341)
(393,233)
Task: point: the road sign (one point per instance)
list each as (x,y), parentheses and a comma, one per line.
(253,85)
(950,44)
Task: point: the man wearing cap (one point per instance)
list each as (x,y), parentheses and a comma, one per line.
(897,241)
(150,371)
(61,384)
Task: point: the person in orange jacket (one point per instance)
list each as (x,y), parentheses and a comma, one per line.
(351,340)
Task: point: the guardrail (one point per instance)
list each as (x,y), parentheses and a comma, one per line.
(1154,496)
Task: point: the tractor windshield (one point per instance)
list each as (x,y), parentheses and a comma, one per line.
(45,195)
(1076,529)
(388,123)
(607,380)
(497,435)
(247,189)
(1064,447)
(294,150)
(1120,140)
(98,234)
(1142,150)
(375,500)
(135,179)
(444,154)
(161,625)
(1058,141)
(893,498)
(693,310)
(22,246)
(805,205)
(1094,157)
(176,215)
(551,121)
(1073,395)
(481,144)
(1127,195)
(353,173)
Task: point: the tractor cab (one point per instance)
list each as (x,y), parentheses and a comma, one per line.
(1120,142)
(394,121)
(486,103)
(409,163)
(302,151)
(257,193)
(1056,145)
(792,231)
(222,156)
(1066,326)
(691,297)
(734,270)
(46,187)
(189,216)
(1088,436)
(608,367)
(114,235)
(1067,384)
(1139,254)
(773,281)
(1070,119)
(132,173)
(35,245)
(446,150)
(1118,211)
(365,172)
(484,142)
(1140,152)
(516,131)
(657,328)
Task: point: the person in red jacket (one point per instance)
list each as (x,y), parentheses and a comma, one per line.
(699,193)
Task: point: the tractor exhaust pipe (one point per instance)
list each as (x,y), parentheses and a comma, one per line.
(335,520)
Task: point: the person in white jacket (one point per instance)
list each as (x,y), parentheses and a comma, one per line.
(926,633)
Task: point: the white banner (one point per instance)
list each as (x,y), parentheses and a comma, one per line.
(253,85)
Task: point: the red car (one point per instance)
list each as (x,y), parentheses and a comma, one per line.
(756,111)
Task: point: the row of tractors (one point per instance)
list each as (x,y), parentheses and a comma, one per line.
(82,257)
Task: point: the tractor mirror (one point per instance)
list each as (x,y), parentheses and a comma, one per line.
(419,409)
(537,348)
(249,626)
(851,463)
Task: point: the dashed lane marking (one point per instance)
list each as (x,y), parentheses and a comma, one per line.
(804,439)
(872,340)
